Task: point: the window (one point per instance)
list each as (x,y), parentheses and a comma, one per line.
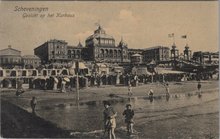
(34,73)
(24,73)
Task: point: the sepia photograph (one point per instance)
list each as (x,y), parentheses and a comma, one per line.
(109,69)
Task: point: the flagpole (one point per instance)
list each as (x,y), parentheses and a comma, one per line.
(174,39)
(186,40)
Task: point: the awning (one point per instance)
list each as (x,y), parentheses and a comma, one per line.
(81,65)
(168,71)
(101,65)
(140,71)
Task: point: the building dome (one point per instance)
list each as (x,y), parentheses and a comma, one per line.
(101,38)
(100,33)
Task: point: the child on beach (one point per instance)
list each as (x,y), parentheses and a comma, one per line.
(109,120)
(129,114)
(33,104)
(167,90)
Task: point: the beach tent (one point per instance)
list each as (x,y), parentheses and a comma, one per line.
(168,71)
(24,72)
(64,71)
(2,72)
(140,71)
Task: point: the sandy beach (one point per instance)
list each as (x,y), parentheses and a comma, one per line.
(149,125)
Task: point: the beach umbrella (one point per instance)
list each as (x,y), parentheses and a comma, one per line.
(66,79)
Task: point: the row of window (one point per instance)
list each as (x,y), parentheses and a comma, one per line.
(74,52)
(105,41)
(58,53)
(10,60)
(31,61)
(73,56)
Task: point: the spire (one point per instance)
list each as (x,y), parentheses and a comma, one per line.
(79,44)
(122,43)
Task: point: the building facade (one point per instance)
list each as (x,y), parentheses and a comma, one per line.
(31,61)
(206,57)
(159,54)
(75,52)
(10,58)
(53,51)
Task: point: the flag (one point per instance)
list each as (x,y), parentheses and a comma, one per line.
(184,36)
(171,35)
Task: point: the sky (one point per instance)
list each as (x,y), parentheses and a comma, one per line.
(140,24)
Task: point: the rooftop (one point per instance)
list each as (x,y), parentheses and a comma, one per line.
(100,33)
(156,47)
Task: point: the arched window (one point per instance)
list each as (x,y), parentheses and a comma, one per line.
(73,54)
(102,53)
(115,53)
(119,53)
(111,53)
(106,53)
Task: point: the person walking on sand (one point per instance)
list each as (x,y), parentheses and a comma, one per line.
(109,120)
(33,104)
(199,86)
(129,89)
(129,114)
(167,90)
(151,95)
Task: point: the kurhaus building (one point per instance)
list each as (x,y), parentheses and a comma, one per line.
(101,47)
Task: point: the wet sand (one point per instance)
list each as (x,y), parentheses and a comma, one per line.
(51,99)
(18,123)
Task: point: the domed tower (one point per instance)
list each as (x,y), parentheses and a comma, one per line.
(100,38)
(124,51)
(187,53)
(100,46)
(174,55)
